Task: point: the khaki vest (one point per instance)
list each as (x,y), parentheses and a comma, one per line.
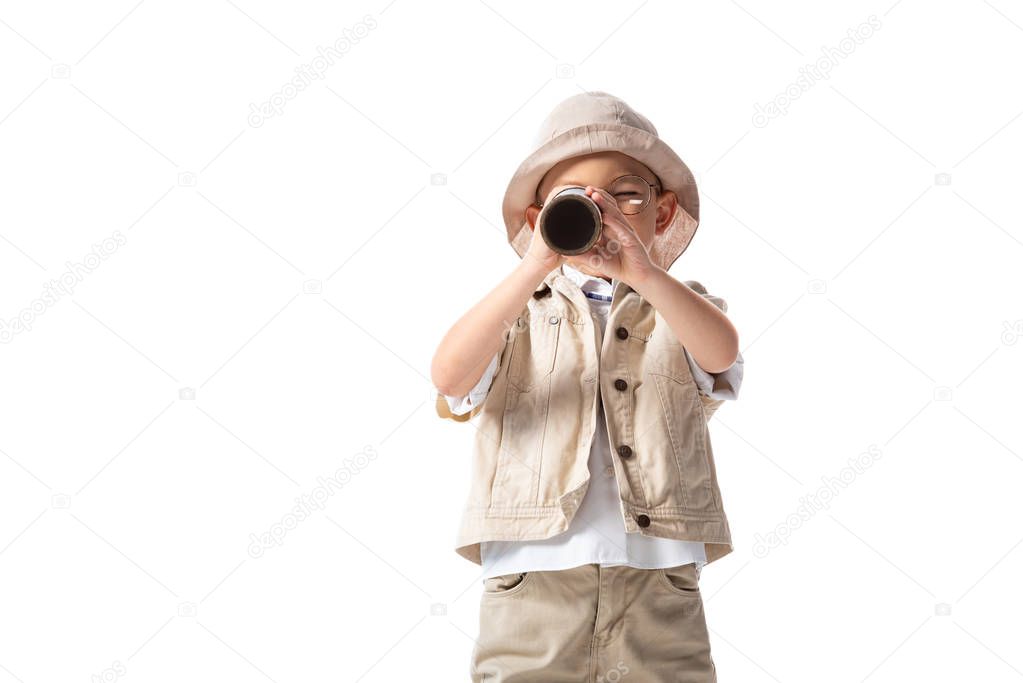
(529,467)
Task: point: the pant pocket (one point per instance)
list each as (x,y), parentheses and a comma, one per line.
(683,579)
(505,584)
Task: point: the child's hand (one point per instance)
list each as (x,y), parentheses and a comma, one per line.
(619,253)
(540,251)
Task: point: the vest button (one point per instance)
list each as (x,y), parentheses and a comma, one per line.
(643,521)
(621,385)
(622,333)
(554,320)
(624,451)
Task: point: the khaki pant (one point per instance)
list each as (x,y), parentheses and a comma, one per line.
(593,624)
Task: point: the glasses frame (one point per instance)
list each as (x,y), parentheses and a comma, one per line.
(655,186)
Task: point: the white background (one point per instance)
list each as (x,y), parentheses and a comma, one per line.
(868,243)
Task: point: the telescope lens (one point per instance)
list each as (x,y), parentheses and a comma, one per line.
(572,225)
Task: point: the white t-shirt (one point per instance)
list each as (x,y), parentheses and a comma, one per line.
(597,532)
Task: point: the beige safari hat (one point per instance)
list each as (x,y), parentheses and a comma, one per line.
(597,121)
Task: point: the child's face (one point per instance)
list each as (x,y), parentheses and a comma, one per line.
(600,169)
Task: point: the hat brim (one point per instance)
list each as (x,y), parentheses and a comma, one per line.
(645,147)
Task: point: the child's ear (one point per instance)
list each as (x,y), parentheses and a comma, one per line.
(667,204)
(532,211)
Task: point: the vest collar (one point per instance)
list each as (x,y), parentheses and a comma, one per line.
(574,279)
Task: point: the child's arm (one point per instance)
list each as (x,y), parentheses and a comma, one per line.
(470,344)
(462,408)
(468,347)
(701,327)
(717,387)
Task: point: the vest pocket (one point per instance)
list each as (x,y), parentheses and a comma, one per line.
(686,427)
(534,348)
(523,425)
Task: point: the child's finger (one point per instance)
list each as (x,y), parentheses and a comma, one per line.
(616,231)
(607,203)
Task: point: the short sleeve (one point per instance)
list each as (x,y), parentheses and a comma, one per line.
(462,408)
(721,386)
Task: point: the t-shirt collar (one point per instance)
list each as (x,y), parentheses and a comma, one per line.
(588,283)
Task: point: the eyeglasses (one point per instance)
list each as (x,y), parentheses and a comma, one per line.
(631,192)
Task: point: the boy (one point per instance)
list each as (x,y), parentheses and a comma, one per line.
(594,499)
